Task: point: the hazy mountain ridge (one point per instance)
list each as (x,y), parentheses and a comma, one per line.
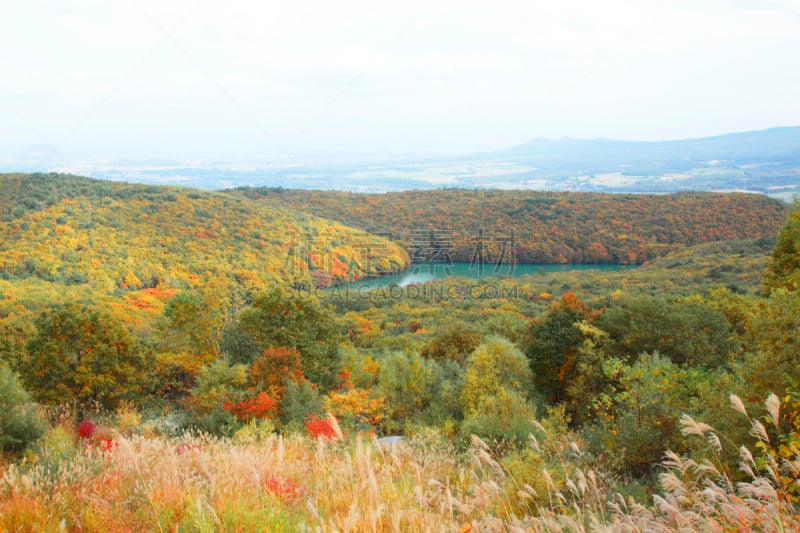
(769,143)
(766,162)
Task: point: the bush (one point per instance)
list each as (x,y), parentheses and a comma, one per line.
(301,400)
(217,422)
(357,410)
(638,422)
(259,407)
(20,420)
(407,382)
(503,417)
(322,427)
(217,382)
(254,431)
(273,367)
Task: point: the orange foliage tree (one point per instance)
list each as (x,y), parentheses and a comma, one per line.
(276,365)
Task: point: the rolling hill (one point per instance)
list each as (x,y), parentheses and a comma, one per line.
(547,227)
(113,236)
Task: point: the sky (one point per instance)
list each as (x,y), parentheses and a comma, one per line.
(241,78)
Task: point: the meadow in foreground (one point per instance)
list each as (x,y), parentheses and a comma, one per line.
(101,480)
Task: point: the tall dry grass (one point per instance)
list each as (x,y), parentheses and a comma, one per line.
(272,483)
(203,483)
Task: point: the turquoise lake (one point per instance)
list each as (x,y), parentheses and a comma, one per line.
(423,272)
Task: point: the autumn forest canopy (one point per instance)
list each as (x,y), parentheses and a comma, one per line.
(547,227)
(136,318)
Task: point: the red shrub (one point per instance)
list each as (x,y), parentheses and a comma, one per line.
(86,429)
(317,427)
(91,437)
(259,407)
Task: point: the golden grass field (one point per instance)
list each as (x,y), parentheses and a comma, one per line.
(259,481)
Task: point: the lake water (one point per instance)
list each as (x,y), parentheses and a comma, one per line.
(423,272)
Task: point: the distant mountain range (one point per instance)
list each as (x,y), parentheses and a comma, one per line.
(752,147)
(766,162)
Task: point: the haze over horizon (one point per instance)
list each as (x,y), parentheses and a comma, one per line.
(135,78)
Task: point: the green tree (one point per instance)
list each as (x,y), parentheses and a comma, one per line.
(784,269)
(194,321)
(217,382)
(454,341)
(407,381)
(15,332)
(506,321)
(83,355)
(592,376)
(495,382)
(494,368)
(185,328)
(688,331)
(553,346)
(301,400)
(277,319)
(640,422)
(20,422)
(772,364)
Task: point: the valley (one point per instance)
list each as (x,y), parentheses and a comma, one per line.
(150,331)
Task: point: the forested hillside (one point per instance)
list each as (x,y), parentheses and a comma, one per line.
(553,400)
(74,231)
(548,227)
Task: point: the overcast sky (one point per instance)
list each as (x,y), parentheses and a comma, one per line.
(209,78)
